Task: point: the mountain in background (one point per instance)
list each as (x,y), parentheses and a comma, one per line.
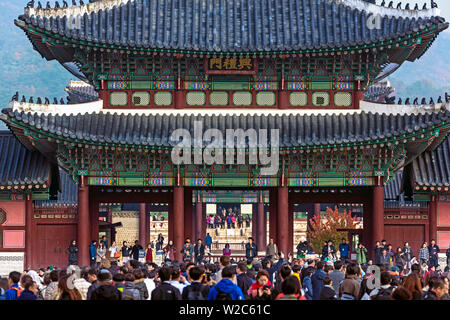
(23,69)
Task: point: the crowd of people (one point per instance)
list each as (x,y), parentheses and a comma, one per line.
(273,276)
(230,219)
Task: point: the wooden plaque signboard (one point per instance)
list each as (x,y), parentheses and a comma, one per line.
(230,65)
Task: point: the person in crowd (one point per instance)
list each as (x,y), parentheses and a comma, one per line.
(243,280)
(433,251)
(344,249)
(261,288)
(177,279)
(226,251)
(391,253)
(125,252)
(385,258)
(4,286)
(30,291)
(52,289)
(251,251)
(378,252)
(139,277)
(114,252)
(92,278)
(424,254)
(412,284)
(328,292)
(317,279)
(104,241)
(165,291)
(73,253)
(199,252)
(101,253)
(150,281)
(361,254)
(66,289)
(187,252)
(290,289)
(349,288)
(196,290)
(386,288)
(272,250)
(283,273)
(303,248)
(307,283)
(81,283)
(208,240)
(135,250)
(106,289)
(129,290)
(401,293)
(337,275)
(169,251)
(399,259)
(226,289)
(436,289)
(407,254)
(93,253)
(149,253)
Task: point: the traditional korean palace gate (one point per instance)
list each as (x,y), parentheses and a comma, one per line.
(348,161)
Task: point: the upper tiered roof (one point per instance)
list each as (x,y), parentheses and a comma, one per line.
(224,26)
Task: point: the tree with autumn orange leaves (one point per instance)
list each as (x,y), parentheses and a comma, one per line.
(327,229)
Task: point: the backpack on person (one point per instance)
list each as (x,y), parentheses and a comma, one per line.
(195,294)
(18,291)
(346,296)
(222,295)
(383,294)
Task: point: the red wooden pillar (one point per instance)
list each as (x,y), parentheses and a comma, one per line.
(83,233)
(291,227)
(432,219)
(377,229)
(199,217)
(260,237)
(273,208)
(93,217)
(178,217)
(147,223)
(283,219)
(28,232)
(170,219)
(142,213)
(188,219)
(203,205)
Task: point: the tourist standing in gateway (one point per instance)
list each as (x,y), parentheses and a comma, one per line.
(251,250)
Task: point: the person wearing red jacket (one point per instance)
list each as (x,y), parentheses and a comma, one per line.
(261,288)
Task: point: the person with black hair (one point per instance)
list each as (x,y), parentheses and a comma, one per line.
(290,289)
(92,277)
(328,292)
(139,283)
(106,289)
(349,288)
(125,252)
(199,252)
(243,280)
(337,275)
(165,291)
(196,290)
(437,289)
(317,280)
(225,289)
(433,251)
(93,253)
(307,283)
(386,288)
(137,251)
(129,292)
(72,251)
(251,250)
(284,272)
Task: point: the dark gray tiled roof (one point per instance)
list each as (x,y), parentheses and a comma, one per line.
(433,168)
(19,166)
(233,25)
(393,189)
(67,195)
(294,129)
